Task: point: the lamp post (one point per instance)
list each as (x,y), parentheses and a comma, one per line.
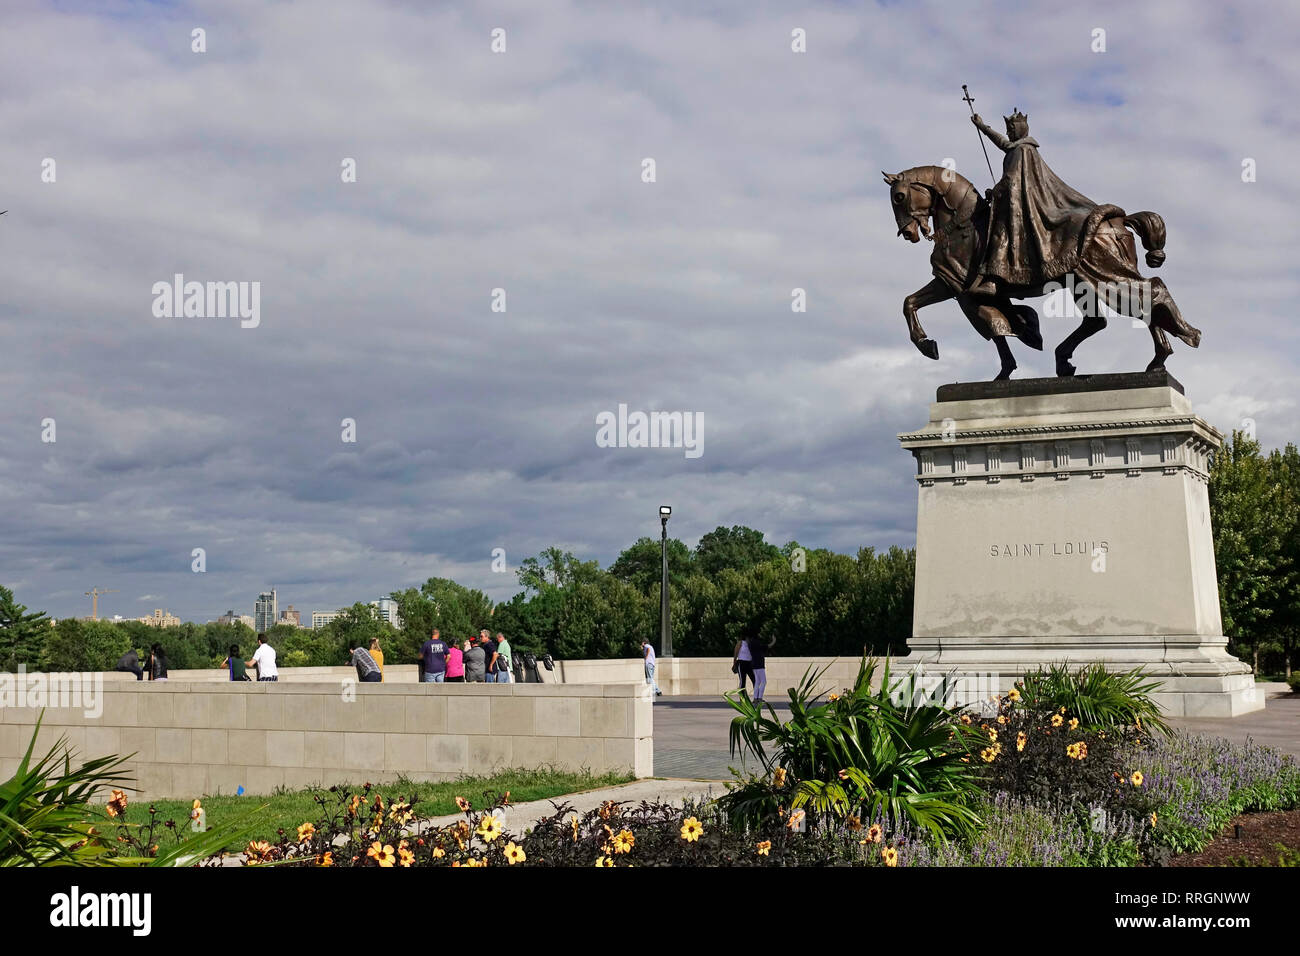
(665,630)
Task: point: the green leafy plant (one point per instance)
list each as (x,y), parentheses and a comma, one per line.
(884,753)
(1100,698)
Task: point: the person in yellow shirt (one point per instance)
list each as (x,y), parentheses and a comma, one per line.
(378,655)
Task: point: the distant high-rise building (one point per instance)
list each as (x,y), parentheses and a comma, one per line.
(290,616)
(387,609)
(320,618)
(264,611)
(230,617)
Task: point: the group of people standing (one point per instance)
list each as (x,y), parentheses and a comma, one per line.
(488,660)
(485,660)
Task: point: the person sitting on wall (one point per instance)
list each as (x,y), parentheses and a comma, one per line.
(234,663)
(264,660)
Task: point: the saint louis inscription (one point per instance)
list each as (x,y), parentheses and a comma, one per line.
(1048,549)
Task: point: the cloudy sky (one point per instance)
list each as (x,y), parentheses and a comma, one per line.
(522,171)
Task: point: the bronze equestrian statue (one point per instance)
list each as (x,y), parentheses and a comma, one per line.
(1031,236)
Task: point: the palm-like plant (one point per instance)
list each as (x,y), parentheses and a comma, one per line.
(1098,697)
(46,818)
(873,753)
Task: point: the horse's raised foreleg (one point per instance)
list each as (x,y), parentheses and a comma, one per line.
(934,291)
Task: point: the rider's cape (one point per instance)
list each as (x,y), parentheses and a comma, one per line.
(1038,222)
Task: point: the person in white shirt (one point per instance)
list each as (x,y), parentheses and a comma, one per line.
(264,660)
(648,653)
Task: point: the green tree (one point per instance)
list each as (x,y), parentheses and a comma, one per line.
(74,645)
(641,565)
(737,548)
(22,635)
(1251,514)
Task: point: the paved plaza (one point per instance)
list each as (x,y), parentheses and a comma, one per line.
(690,733)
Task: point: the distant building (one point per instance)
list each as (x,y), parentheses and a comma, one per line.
(290,616)
(161,618)
(387,609)
(320,618)
(230,617)
(264,611)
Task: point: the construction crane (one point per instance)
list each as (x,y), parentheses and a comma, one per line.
(94,600)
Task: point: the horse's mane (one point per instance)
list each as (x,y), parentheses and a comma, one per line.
(951,186)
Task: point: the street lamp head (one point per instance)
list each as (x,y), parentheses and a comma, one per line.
(665,511)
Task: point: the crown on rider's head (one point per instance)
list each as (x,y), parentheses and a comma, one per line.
(1017,124)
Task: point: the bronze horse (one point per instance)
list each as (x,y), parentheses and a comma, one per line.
(1106,272)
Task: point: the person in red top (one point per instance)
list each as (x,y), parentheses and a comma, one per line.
(455,665)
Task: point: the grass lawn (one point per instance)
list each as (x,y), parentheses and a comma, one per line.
(287,809)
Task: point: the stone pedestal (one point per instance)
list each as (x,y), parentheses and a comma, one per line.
(1068,520)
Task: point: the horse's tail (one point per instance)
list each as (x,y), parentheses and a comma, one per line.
(1151,230)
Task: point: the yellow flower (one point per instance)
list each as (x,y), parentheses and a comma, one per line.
(353,804)
(890,856)
(471,862)
(325,859)
(993,735)
(965,719)
(796,820)
(607,809)
(463,804)
(439,852)
(117,805)
(990,754)
(1153,818)
(1074,723)
(258,850)
(573,821)
(306,832)
(400,813)
(1013,694)
(1002,719)
(489,828)
(833,697)
(692,829)
(875,833)
(405,856)
(623,841)
(1021,740)
(1077,751)
(778,777)
(1057,720)
(604,861)
(1061,711)
(1137,778)
(515,854)
(763,847)
(381,853)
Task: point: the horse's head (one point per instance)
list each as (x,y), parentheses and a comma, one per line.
(912,203)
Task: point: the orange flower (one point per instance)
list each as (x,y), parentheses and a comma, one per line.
(778,777)
(763,847)
(117,805)
(1021,740)
(381,853)
(325,859)
(875,833)
(463,804)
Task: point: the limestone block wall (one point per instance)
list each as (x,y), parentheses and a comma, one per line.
(191,738)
